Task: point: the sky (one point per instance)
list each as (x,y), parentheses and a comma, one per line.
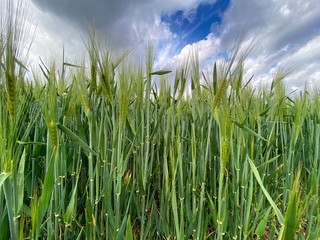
(287,32)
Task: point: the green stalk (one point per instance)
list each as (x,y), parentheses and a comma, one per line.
(193,171)
(220,205)
(316,164)
(7,187)
(146,159)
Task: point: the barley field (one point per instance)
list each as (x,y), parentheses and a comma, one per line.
(109,148)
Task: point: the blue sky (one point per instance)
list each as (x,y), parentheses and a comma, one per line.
(288,32)
(199,23)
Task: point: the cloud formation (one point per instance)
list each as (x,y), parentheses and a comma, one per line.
(288,31)
(128,22)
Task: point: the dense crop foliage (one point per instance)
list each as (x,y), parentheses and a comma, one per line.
(102,152)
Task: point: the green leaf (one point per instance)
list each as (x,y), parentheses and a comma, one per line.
(88,212)
(271,176)
(20,184)
(272,231)
(26,210)
(315,234)
(31,143)
(130,126)
(174,208)
(20,64)
(292,209)
(263,224)
(79,235)
(248,206)
(290,220)
(176,83)
(72,65)
(70,208)
(123,224)
(272,203)
(270,161)
(215,79)
(46,190)
(77,139)
(7,188)
(266,110)
(249,130)
(3,177)
(213,209)
(155,130)
(161,72)
(129,235)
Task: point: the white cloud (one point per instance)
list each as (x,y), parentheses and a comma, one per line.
(125,23)
(207,48)
(50,34)
(129,22)
(288,32)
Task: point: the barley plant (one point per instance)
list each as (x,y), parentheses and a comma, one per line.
(112,150)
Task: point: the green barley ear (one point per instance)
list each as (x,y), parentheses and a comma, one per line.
(139,86)
(181,77)
(280,74)
(52,107)
(225,130)
(108,65)
(14,29)
(11,91)
(125,92)
(93,73)
(228,70)
(102,64)
(225,154)
(177,80)
(278,89)
(48,102)
(91,47)
(119,58)
(195,72)
(300,112)
(221,91)
(10,77)
(107,76)
(149,57)
(53,134)
(81,81)
(70,102)
(69,112)
(215,78)
(162,93)
(316,104)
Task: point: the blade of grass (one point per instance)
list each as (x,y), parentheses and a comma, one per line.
(77,139)
(272,203)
